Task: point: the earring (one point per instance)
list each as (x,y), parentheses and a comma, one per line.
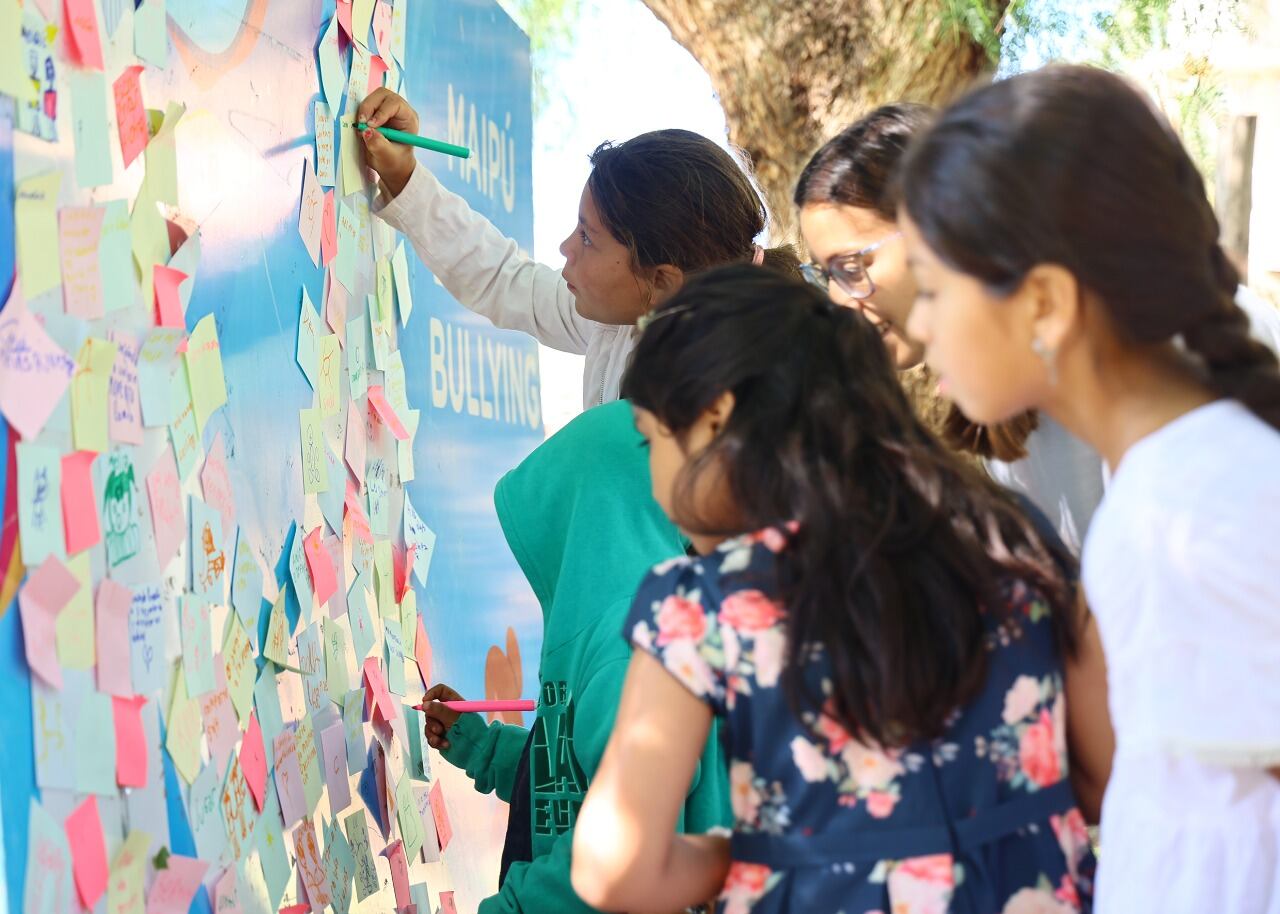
(1041,349)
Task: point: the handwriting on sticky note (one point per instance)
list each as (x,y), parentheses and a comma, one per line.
(311,211)
(208,556)
(40,502)
(293,802)
(216,483)
(197,651)
(121,509)
(333,742)
(146,638)
(357,830)
(35,216)
(386,414)
(83,35)
(204,370)
(441,814)
(131,114)
(328,231)
(324,147)
(46,593)
(176,885)
(315,472)
(89,394)
(128,869)
(329,358)
(164,490)
(34,371)
(124,404)
(307,854)
(79,231)
(238,662)
(237,810)
(395,855)
(323,577)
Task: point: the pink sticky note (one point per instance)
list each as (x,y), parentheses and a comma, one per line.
(422,652)
(323,577)
(401,564)
(47,591)
(112,632)
(226,900)
(333,744)
(394,852)
(360,520)
(131,741)
(446,903)
(328,226)
(443,829)
(83,38)
(79,513)
(88,852)
(176,885)
(34,370)
(382,28)
(165,492)
(344,16)
(311,212)
(131,114)
(377,696)
(216,484)
(79,234)
(378,402)
(311,867)
(253,760)
(377,69)
(168,301)
(219,717)
(356,450)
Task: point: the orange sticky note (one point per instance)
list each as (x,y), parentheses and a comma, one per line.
(131,741)
(131,114)
(88,852)
(323,578)
(47,591)
(83,38)
(378,401)
(112,628)
(441,814)
(328,230)
(168,301)
(79,513)
(253,760)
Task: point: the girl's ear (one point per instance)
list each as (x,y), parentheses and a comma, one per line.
(718,413)
(666,282)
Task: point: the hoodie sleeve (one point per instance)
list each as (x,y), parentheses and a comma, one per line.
(539,887)
(488,754)
(482,268)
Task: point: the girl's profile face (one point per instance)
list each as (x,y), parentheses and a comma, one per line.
(598,270)
(669,455)
(981,346)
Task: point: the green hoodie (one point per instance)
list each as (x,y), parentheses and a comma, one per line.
(580,518)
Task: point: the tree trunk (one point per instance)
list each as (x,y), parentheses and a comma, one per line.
(792,75)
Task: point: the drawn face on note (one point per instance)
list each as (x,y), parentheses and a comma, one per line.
(598,270)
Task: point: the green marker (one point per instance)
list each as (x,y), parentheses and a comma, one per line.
(422,142)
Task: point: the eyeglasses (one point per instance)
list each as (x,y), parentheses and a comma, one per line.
(849,271)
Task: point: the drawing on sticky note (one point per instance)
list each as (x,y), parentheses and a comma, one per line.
(119,510)
(38,116)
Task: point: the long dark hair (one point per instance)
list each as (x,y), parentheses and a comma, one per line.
(856,168)
(1071,165)
(899,547)
(675,197)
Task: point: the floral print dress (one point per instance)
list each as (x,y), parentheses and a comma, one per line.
(980,821)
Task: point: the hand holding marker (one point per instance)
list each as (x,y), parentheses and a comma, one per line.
(443,706)
(422,142)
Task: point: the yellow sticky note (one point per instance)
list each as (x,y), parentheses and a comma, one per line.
(89,389)
(128,869)
(315,468)
(204,370)
(329,360)
(385,289)
(276,648)
(361,19)
(162,157)
(14,80)
(352,171)
(35,215)
(149,238)
(185,728)
(74,629)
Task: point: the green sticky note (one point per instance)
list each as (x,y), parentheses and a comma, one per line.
(90,129)
(183,429)
(309,328)
(362,632)
(394,653)
(344,263)
(341,867)
(95,730)
(385,289)
(89,390)
(151,33)
(315,469)
(237,660)
(271,847)
(404,295)
(204,370)
(407,812)
(357,365)
(357,830)
(379,330)
(414,721)
(277,647)
(336,668)
(351,172)
(39,503)
(115,247)
(149,237)
(304,738)
(353,729)
(35,216)
(329,357)
(162,156)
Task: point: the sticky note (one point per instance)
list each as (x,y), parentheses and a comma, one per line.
(399,31)
(246,585)
(35,217)
(309,340)
(422,651)
(344,264)
(197,651)
(430,838)
(340,865)
(225,894)
(131,745)
(89,127)
(88,852)
(379,699)
(276,648)
(361,18)
(75,628)
(357,366)
(124,406)
(183,431)
(176,885)
(407,813)
(362,632)
(380,332)
(357,830)
(293,802)
(315,474)
(146,639)
(219,720)
(253,760)
(331,376)
(328,231)
(161,156)
(324,149)
(378,486)
(385,412)
(115,257)
(164,491)
(323,576)
(307,855)
(15,51)
(311,212)
(355,441)
(272,853)
(48,881)
(89,392)
(46,593)
(151,32)
(122,513)
(394,852)
(131,114)
(441,815)
(128,870)
(204,802)
(184,729)
(158,366)
(382,33)
(34,371)
(83,37)
(208,559)
(237,811)
(95,772)
(404,294)
(404,449)
(216,484)
(168,302)
(446,904)
(423,540)
(238,664)
(112,623)
(333,743)
(204,370)
(335,307)
(79,231)
(79,511)
(333,74)
(40,502)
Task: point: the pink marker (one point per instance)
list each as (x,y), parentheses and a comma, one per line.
(517,705)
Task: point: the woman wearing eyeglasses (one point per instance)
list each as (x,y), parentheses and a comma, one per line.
(849,222)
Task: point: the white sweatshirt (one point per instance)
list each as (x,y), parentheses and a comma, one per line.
(488,274)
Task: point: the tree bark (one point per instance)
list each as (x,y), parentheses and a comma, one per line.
(790,75)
